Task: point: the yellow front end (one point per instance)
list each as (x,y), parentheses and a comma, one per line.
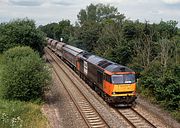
(124,90)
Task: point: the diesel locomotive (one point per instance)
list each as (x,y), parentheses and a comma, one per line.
(114,82)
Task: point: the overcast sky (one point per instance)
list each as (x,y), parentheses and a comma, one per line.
(48,11)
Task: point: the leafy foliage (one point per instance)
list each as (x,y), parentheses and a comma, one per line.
(21,33)
(58,30)
(164,84)
(24,74)
(16,114)
(99,13)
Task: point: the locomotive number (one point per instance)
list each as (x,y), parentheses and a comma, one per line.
(85,68)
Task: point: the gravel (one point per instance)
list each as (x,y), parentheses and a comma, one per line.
(62,113)
(59,109)
(157,113)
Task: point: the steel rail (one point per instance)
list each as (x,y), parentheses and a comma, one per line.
(69,93)
(133,122)
(143,118)
(77,105)
(125,118)
(122,115)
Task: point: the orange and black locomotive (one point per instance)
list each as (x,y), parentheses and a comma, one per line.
(114,82)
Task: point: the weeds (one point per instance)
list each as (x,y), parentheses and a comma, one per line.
(7,121)
(16,114)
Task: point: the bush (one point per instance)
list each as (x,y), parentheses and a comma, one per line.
(24,74)
(163,85)
(1,56)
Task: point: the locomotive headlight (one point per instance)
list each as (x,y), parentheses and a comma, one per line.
(113,93)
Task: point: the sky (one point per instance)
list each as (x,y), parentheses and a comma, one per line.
(49,11)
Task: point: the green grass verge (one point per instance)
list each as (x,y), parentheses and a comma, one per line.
(17,114)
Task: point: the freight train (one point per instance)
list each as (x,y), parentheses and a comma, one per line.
(114,82)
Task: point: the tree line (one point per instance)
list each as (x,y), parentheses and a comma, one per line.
(23,73)
(152,49)
(21,32)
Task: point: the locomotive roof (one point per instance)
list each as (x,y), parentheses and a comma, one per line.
(85,55)
(96,60)
(118,68)
(108,65)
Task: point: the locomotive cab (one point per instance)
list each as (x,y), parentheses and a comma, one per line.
(124,85)
(120,86)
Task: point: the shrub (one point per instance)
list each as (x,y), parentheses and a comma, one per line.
(24,74)
(163,84)
(1,56)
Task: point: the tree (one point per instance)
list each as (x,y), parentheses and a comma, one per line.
(105,12)
(50,30)
(99,13)
(21,32)
(66,30)
(88,35)
(63,29)
(87,15)
(168,29)
(94,21)
(82,16)
(166,49)
(91,12)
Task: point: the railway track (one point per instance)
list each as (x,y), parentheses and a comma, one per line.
(80,81)
(90,115)
(131,116)
(134,119)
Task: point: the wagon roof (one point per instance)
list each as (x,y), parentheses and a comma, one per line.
(73,50)
(60,44)
(54,42)
(94,59)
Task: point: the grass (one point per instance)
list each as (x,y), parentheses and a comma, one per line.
(176,115)
(17,114)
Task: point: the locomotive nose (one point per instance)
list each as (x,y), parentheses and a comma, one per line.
(124,89)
